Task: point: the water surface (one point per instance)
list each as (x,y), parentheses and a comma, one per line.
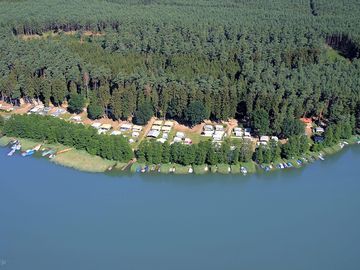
(57,218)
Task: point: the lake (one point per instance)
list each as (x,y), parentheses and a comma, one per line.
(58,218)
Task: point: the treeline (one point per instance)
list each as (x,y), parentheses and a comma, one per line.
(202,153)
(53,130)
(230,152)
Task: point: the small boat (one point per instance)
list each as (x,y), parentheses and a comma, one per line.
(346,143)
(243,170)
(321,157)
(267,169)
(290,165)
(48,152)
(28,153)
(190,170)
(358,142)
(52,156)
(11,152)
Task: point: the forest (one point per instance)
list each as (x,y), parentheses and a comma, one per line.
(273,60)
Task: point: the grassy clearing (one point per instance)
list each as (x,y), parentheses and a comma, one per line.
(333,55)
(83,161)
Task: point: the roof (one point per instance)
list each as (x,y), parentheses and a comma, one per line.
(264,138)
(238,129)
(219,127)
(319,129)
(208,128)
(106,126)
(76,118)
(166,128)
(115,132)
(180,134)
(239,133)
(275,138)
(153,133)
(161,140)
(219,132)
(158,122)
(137,128)
(306,120)
(168,123)
(156,127)
(126,126)
(96,125)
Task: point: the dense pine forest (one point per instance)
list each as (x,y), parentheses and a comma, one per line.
(273,60)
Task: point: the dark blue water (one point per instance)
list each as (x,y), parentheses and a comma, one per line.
(57,218)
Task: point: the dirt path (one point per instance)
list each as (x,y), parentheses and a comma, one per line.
(231,124)
(147,129)
(183,128)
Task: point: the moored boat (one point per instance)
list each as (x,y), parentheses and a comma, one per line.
(243,170)
(11,152)
(48,152)
(28,153)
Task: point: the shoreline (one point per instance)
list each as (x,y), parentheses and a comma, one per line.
(82,161)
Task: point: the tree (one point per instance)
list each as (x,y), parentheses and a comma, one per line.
(260,121)
(195,113)
(143,114)
(76,103)
(292,127)
(94,110)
